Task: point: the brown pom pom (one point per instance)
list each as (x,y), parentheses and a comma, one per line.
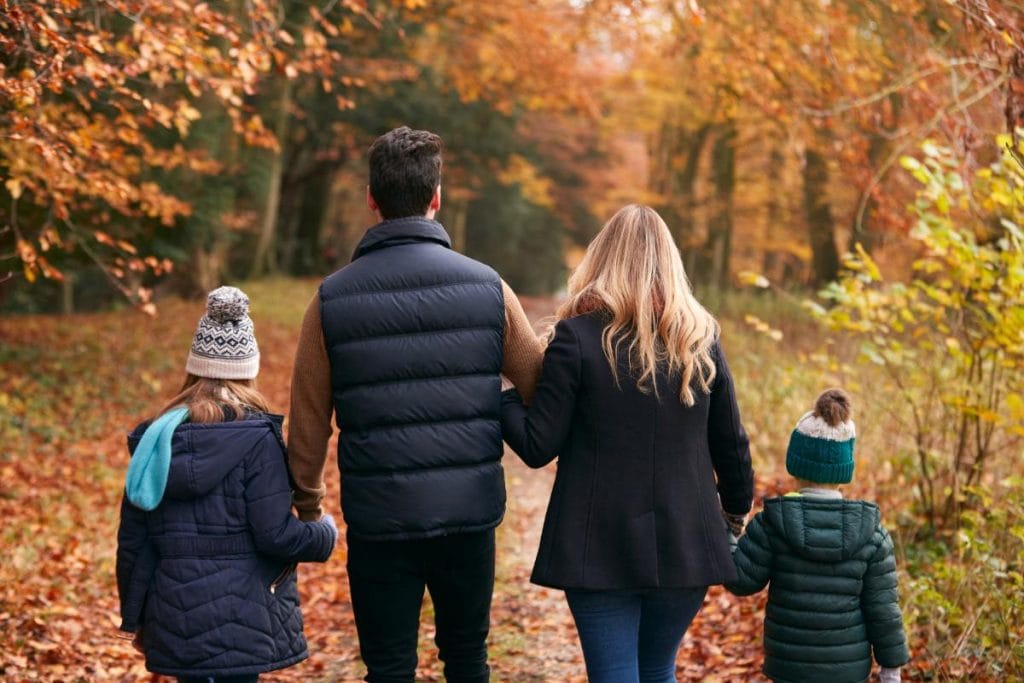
(833,406)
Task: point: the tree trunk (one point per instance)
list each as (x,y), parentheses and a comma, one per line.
(307,255)
(458,225)
(207,235)
(208,267)
(770,255)
(862,230)
(264,257)
(67,291)
(720,225)
(677,184)
(818,211)
(687,188)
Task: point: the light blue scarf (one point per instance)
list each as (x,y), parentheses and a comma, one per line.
(146,480)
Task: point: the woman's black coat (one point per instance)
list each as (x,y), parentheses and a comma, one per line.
(635,503)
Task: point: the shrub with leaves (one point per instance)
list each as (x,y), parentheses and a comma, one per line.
(951,339)
(967,598)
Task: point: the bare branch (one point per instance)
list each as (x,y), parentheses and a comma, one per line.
(899,85)
(927,127)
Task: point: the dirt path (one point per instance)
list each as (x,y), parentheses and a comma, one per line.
(532,635)
(61,483)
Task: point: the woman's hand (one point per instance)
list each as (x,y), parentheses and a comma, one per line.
(735,523)
(137,642)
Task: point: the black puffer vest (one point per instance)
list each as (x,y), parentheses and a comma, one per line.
(414,335)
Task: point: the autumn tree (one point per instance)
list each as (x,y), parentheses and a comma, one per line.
(97,105)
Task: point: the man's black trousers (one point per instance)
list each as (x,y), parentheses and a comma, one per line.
(387,579)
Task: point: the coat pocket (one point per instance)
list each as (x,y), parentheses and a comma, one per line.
(281,578)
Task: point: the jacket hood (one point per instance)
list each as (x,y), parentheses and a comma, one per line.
(820,529)
(397,231)
(204,453)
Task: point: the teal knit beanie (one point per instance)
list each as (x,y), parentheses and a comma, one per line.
(821,447)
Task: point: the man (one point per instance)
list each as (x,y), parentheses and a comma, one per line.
(407,344)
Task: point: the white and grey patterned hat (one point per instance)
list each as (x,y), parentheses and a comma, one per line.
(224,346)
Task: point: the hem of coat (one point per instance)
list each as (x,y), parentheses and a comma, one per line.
(231,671)
(774,679)
(578,586)
(429,533)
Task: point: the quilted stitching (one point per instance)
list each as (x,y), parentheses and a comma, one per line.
(215,616)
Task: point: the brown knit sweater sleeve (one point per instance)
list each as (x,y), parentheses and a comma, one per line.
(309,421)
(524,352)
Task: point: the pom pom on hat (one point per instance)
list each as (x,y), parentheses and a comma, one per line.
(224,345)
(833,406)
(821,447)
(227,305)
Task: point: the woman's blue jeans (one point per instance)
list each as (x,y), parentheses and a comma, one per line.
(631,637)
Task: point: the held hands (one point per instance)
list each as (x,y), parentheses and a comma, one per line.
(135,637)
(735,523)
(328,520)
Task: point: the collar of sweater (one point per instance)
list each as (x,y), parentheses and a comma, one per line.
(402,231)
(815,492)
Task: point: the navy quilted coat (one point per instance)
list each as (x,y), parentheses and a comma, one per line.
(414,332)
(635,503)
(208,575)
(832,598)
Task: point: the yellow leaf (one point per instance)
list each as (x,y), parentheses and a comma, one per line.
(535,187)
(1015,402)
(13,186)
(753,279)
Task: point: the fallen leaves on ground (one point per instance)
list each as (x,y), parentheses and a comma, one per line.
(70,390)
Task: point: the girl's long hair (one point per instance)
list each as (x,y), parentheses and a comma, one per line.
(207,399)
(633,270)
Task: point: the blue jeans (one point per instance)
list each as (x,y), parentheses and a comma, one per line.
(633,636)
(249,678)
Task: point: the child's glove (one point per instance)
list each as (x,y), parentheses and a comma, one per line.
(328,521)
(887,675)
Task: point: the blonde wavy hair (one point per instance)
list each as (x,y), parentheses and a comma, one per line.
(632,270)
(206,398)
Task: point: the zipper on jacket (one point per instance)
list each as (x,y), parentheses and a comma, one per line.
(281,578)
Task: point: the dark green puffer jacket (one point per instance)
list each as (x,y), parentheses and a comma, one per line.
(833,594)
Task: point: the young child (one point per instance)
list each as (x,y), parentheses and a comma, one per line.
(207,541)
(833,595)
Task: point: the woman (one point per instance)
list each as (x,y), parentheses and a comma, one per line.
(636,401)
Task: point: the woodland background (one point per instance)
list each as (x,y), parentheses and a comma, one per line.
(844,178)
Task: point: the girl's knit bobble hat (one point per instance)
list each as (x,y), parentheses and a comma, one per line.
(821,447)
(224,346)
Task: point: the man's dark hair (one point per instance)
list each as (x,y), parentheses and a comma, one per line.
(405,169)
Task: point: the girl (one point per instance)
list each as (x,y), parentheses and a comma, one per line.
(207,542)
(636,401)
